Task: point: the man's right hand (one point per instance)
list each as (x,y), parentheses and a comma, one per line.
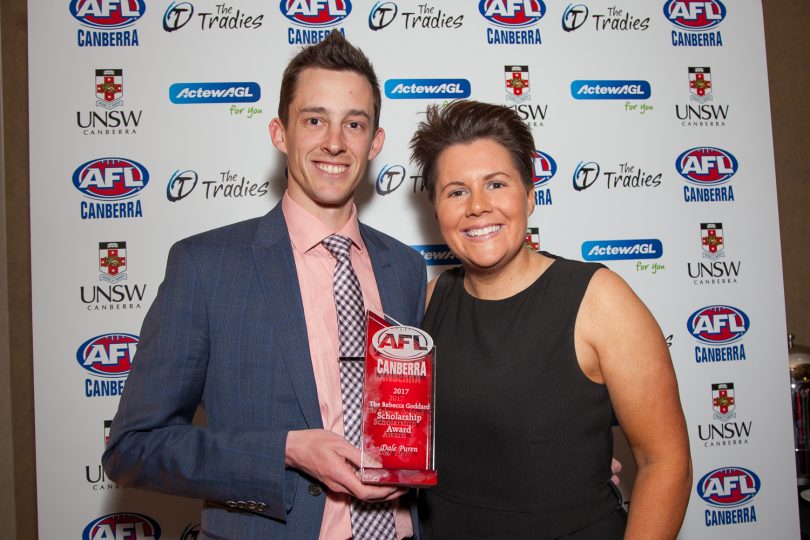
(334,461)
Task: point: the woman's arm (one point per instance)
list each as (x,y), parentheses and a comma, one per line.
(619,343)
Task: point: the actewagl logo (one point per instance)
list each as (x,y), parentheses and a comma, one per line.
(214,92)
(611,89)
(611,250)
(437,254)
(427,88)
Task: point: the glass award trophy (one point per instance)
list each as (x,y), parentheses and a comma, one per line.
(398,405)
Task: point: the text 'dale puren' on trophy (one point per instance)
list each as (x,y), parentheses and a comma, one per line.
(398,405)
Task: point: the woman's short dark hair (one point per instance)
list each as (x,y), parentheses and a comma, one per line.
(334,53)
(464,122)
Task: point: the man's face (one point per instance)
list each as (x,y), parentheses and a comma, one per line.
(329,138)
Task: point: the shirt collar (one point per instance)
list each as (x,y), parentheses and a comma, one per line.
(307,231)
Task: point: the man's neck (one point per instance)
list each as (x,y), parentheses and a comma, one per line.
(334,217)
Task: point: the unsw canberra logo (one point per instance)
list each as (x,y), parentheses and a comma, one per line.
(714,268)
(107,23)
(518,90)
(115,291)
(110,117)
(725,429)
(701,111)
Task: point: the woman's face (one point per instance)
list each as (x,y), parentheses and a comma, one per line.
(482,204)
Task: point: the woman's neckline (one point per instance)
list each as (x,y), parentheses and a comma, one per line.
(545,270)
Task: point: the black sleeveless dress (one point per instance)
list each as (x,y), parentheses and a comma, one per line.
(523,437)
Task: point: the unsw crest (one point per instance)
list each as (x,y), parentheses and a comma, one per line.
(112,261)
(723,403)
(700,84)
(109,87)
(711,240)
(517,83)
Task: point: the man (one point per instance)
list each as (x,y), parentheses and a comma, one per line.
(245,325)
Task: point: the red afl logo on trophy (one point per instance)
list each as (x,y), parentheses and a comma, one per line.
(402,343)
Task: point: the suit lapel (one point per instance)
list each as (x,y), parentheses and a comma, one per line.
(275,266)
(386,275)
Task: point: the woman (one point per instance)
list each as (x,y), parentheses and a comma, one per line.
(536,353)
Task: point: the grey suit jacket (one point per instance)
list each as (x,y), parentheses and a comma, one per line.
(227,331)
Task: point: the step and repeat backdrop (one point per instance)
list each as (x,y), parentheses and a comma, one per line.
(148,123)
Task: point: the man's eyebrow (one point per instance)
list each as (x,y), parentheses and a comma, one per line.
(322,110)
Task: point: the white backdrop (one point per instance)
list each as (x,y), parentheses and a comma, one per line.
(124,162)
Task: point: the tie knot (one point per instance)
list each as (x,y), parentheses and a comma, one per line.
(338,245)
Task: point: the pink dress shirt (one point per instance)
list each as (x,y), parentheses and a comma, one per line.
(315,267)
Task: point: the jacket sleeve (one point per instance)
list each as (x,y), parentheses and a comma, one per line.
(153,443)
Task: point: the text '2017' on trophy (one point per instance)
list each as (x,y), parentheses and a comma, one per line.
(398,405)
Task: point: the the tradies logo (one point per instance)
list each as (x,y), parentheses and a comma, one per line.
(518,93)
(427,88)
(543,170)
(617,250)
(110,179)
(718,330)
(513,21)
(532,239)
(223,185)
(728,492)
(701,113)
(108,357)
(112,267)
(107,119)
(314,19)
(423,17)
(711,270)
(625,175)
(214,92)
(108,22)
(223,17)
(724,431)
(616,20)
(696,22)
(437,255)
(392,177)
(122,526)
(404,349)
(613,89)
(706,168)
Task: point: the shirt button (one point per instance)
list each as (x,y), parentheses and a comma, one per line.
(315,489)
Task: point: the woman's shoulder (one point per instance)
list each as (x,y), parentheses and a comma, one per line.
(443,281)
(573,268)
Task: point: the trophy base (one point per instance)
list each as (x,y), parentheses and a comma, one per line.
(400,477)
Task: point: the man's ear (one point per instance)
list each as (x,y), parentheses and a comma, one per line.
(376,143)
(278,135)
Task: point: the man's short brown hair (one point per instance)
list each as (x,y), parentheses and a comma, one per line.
(334,53)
